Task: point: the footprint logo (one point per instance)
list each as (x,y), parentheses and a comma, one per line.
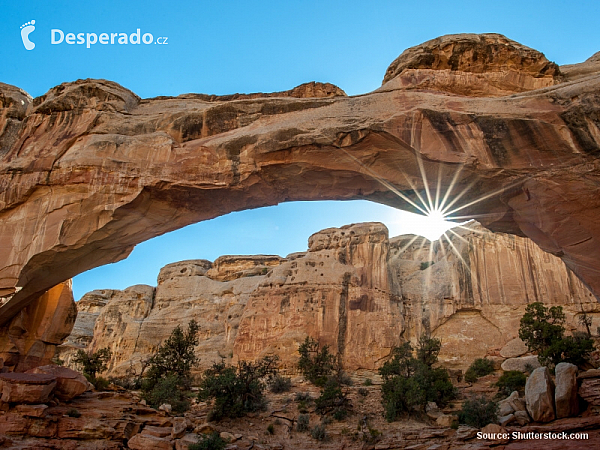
(26,30)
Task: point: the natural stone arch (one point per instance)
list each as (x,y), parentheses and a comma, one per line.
(89,169)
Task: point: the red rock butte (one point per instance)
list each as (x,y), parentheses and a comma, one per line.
(89,169)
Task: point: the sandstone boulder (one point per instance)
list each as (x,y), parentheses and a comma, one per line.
(147,441)
(514,348)
(522,364)
(69,383)
(565,395)
(590,390)
(27,387)
(539,395)
(522,418)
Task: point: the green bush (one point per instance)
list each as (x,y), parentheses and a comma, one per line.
(332,399)
(479,368)
(303,422)
(169,374)
(511,380)
(209,442)
(100,383)
(279,384)
(168,390)
(363,392)
(271,429)
(368,382)
(319,432)
(410,383)
(92,363)
(478,412)
(542,329)
(315,363)
(234,391)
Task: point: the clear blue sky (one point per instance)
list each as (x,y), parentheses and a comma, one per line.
(252,46)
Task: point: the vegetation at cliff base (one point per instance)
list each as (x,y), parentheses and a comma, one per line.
(510,381)
(479,368)
(542,329)
(478,412)
(409,382)
(316,363)
(93,363)
(237,390)
(169,374)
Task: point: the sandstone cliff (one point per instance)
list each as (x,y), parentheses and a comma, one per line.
(89,169)
(353,289)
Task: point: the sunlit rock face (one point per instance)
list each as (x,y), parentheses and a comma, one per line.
(89,169)
(354,290)
(31,337)
(472,293)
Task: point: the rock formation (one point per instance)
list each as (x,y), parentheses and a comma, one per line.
(89,169)
(353,289)
(31,337)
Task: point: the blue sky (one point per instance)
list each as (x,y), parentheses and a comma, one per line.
(253,46)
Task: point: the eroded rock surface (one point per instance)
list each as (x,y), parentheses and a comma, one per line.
(354,289)
(89,169)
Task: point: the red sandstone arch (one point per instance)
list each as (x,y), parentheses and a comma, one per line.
(89,169)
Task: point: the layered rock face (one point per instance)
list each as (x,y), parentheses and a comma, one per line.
(89,169)
(353,289)
(30,338)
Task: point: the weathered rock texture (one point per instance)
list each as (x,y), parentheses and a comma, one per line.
(31,337)
(89,169)
(353,289)
(565,395)
(539,395)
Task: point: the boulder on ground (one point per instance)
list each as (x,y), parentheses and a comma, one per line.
(522,418)
(514,348)
(539,395)
(565,396)
(69,383)
(27,388)
(147,442)
(522,363)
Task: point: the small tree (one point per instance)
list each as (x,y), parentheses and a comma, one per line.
(92,363)
(169,372)
(478,412)
(234,391)
(410,383)
(479,368)
(542,329)
(315,363)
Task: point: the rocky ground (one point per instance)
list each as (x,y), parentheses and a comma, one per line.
(117,419)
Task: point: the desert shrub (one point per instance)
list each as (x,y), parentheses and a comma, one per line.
(92,363)
(426,264)
(100,383)
(279,384)
(478,412)
(542,329)
(271,429)
(303,422)
(315,363)
(368,382)
(303,397)
(363,392)
(73,413)
(332,399)
(409,382)
(168,390)
(169,374)
(479,368)
(211,441)
(511,380)
(319,432)
(234,391)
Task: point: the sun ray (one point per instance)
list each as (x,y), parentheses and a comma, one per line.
(403,249)
(385,183)
(457,252)
(438,188)
(425,183)
(452,184)
(485,197)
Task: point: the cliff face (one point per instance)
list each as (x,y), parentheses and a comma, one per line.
(89,169)
(353,289)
